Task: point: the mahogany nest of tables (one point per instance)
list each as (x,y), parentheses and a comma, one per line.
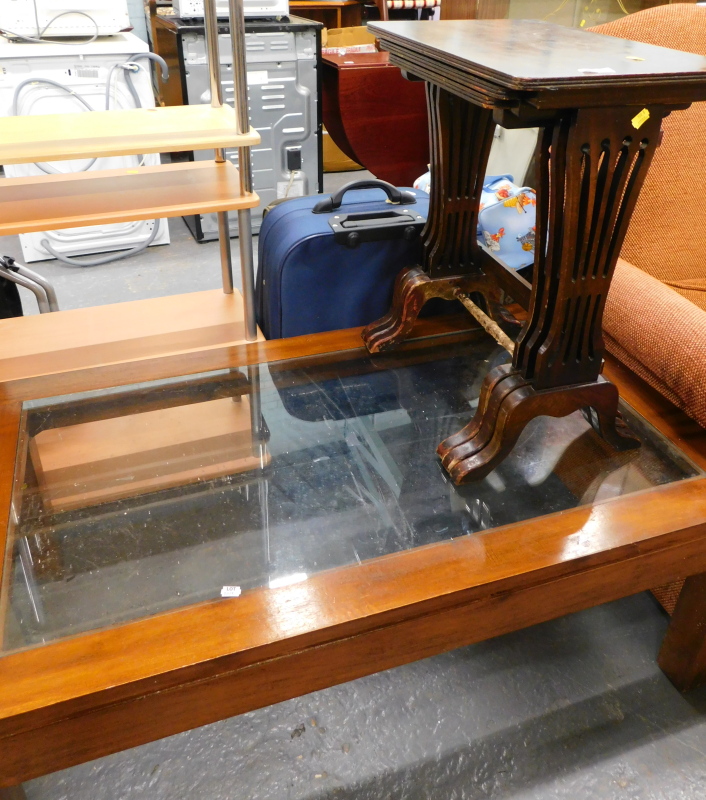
(599,102)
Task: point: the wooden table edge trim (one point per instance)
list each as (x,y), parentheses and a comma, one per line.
(389,39)
(10,425)
(211,358)
(235,689)
(264,623)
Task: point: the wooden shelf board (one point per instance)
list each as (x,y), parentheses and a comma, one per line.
(57,137)
(49,202)
(47,344)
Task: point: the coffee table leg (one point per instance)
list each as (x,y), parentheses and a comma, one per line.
(683,654)
(13,793)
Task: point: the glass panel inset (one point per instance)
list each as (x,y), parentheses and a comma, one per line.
(140,500)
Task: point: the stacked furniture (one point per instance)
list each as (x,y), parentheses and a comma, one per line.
(600,103)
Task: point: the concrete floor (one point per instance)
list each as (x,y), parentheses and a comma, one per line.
(574,708)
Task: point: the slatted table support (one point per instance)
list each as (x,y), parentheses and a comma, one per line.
(599,102)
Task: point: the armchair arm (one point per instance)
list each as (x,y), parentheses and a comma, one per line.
(660,335)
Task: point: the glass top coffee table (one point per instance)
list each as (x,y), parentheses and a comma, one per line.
(184,549)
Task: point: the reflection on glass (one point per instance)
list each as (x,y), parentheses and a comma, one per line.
(140,500)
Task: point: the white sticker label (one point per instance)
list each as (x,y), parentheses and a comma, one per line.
(257,77)
(230,591)
(597,71)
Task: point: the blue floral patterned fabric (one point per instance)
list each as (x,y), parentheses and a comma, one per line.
(507,218)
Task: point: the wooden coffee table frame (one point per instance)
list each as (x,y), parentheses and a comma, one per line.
(80,698)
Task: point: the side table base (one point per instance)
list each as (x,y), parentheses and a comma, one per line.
(507,403)
(413,288)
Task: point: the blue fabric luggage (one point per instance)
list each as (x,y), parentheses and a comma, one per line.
(328,262)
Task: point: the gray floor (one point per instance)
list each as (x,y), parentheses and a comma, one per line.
(574,708)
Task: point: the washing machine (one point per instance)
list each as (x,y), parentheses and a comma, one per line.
(85,74)
(64,18)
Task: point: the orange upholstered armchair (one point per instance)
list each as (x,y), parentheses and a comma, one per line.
(655,318)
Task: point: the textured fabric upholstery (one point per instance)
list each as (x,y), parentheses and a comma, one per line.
(655,318)
(667,233)
(660,335)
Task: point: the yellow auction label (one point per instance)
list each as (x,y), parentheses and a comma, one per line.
(640,119)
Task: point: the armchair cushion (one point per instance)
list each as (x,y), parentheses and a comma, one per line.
(660,335)
(667,233)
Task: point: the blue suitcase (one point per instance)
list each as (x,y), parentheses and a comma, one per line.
(326,264)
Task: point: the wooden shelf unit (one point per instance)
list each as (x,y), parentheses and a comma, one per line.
(99,134)
(127,332)
(51,202)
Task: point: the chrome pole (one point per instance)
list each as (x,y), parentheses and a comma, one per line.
(214,78)
(258,442)
(35,287)
(212,54)
(242,114)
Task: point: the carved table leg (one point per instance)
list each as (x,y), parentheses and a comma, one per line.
(683,654)
(412,289)
(592,165)
(500,425)
(461,136)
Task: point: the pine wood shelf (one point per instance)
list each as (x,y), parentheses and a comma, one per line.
(57,137)
(50,202)
(47,344)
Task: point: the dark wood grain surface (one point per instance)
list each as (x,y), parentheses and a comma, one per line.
(531,54)
(585,91)
(683,654)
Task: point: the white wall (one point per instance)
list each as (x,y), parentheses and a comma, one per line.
(137,18)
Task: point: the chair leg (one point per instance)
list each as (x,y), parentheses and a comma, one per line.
(683,654)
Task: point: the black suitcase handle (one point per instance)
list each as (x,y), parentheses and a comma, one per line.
(394,195)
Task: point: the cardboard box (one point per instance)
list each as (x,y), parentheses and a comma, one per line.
(346,37)
(335,160)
